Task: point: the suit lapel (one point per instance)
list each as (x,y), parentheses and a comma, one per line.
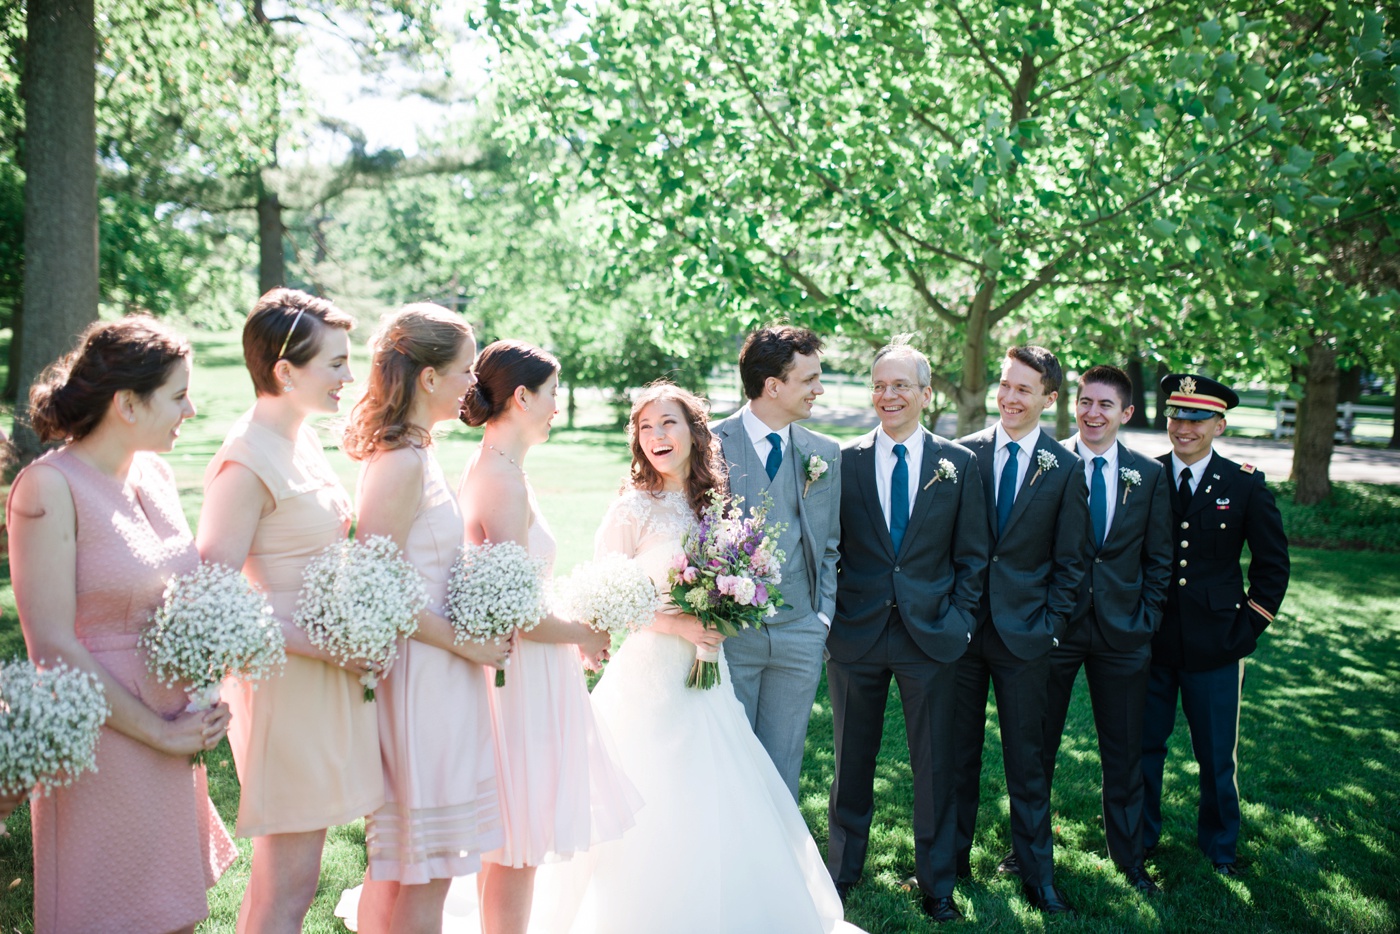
(1030,486)
(925,492)
(1130,499)
(984,445)
(870,491)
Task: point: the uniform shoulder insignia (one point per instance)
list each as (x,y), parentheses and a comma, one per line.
(1246,468)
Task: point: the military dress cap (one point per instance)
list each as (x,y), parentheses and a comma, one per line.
(1196,397)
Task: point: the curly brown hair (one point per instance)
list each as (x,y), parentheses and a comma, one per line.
(414,338)
(706,462)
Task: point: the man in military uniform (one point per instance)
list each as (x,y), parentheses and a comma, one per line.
(1211,622)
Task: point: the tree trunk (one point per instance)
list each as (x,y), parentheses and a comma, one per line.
(1395,411)
(60,193)
(1159,420)
(1349,385)
(1140,417)
(1062,419)
(571,409)
(11,392)
(272,269)
(1317,421)
(972,393)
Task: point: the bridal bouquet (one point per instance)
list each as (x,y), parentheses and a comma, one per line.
(49,723)
(212,624)
(358,599)
(727,576)
(494,589)
(612,594)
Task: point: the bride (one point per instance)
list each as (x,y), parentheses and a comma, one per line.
(720,844)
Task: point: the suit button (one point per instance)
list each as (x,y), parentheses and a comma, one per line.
(1182,582)
(889,603)
(1186,525)
(1237,606)
(1098,561)
(1054,642)
(1091,590)
(896,569)
(1185,543)
(1222,525)
(1183,562)
(995,559)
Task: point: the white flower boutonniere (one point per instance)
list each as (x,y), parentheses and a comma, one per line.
(1130,478)
(814,468)
(945,471)
(1044,461)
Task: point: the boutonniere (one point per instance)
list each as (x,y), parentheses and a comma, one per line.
(945,471)
(1130,478)
(814,468)
(1044,461)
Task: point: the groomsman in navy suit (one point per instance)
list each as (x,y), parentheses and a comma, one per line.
(1038,519)
(1211,622)
(914,546)
(1120,607)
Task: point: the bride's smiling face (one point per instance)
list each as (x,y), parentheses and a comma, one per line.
(664,437)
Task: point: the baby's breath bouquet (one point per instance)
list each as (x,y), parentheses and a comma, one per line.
(494,589)
(212,624)
(727,575)
(49,723)
(612,594)
(358,599)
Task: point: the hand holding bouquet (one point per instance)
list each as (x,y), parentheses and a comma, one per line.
(49,724)
(494,589)
(212,625)
(611,594)
(727,575)
(358,599)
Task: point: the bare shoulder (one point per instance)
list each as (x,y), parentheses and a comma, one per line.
(398,465)
(40,490)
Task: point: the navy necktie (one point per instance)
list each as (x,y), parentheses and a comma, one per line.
(775,454)
(1006,490)
(899,497)
(1183,489)
(1098,502)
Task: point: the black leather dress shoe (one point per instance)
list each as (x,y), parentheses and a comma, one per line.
(941,910)
(1009,865)
(1047,898)
(1229,870)
(963,871)
(1140,880)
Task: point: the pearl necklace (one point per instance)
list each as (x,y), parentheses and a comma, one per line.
(492,447)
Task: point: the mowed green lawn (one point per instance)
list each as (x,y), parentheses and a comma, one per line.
(1319,751)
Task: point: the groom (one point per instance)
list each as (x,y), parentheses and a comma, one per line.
(775,669)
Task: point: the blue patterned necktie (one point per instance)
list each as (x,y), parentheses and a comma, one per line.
(1098,502)
(775,454)
(899,497)
(1006,490)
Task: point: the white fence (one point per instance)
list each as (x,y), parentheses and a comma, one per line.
(1286,418)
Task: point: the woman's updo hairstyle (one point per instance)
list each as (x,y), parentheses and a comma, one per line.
(414,338)
(286,324)
(72,396)
(500,370)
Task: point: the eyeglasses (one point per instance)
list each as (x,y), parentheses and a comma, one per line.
(901,388)
(286,341)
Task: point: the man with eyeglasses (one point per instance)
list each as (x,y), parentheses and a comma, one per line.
(912,563)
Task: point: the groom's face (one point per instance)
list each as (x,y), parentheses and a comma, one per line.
(795,392)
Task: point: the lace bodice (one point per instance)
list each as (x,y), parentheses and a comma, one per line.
(648,527)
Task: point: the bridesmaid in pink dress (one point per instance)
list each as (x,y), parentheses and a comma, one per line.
(561,791)
(441,810)
(305,744)
(95,532)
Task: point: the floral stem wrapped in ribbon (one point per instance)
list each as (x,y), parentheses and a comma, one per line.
(358,599)
(494,589)
(727,575)
(611,594)
(212,624)
(49,724)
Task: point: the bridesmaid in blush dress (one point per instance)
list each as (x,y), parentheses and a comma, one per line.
(305,744)
(561,791)
(96,530)
(441,809)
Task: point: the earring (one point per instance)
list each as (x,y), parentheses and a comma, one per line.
(286,387)
(431,389)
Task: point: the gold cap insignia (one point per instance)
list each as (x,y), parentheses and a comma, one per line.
(1187,385)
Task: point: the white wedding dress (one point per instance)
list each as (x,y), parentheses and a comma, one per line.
(719,844)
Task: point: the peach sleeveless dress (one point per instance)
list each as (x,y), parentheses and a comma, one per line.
(441,809)
(562,791)
(305,744)
(134,845)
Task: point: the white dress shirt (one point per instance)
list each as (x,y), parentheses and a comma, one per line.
(758,434)
(1110,475)
(1198,470)
(1023,457)
(884,467)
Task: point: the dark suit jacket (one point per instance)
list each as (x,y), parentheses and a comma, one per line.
(1127,577)
(937,578)
(1038,562)
(1211,620)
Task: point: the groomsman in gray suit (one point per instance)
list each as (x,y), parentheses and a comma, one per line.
(776,669)
(1120,606)
(1038,512)
(914,542)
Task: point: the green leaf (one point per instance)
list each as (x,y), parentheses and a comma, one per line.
(1210,32)
(1256,78)
(1164,227)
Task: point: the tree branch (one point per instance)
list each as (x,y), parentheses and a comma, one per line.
(981,50)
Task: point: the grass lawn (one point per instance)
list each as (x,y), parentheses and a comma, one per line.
(1319,751)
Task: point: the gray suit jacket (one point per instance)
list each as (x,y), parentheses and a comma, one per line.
(1127,577)
(936,580)
(817,514)
(1039,559)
